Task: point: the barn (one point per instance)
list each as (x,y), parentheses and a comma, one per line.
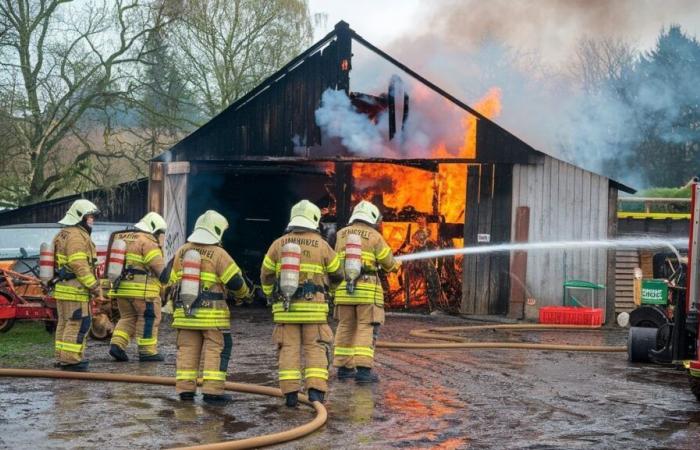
(269,149)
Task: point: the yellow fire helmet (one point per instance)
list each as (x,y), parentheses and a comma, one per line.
(152,223)
(209,228)
(366,212)
(78,210)
(305,214)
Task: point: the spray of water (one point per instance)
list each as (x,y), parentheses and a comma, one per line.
(634,242)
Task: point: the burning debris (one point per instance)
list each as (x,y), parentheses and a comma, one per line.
(423,203)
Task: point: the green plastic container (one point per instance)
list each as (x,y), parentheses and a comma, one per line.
(654,292)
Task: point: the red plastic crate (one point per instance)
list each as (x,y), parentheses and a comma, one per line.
(571,315)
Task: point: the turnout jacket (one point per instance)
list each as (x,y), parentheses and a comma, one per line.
(143,266)
(76,257)
(319,267)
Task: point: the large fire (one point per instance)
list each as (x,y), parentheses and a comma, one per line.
(418,205)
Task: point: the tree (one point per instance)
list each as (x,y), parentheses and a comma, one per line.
(61,64)
(226,47)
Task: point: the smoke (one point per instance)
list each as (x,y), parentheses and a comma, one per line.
(530,50)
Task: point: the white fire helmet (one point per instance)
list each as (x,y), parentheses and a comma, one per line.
(366,212)
(152,223)
(209,228)
(78,210)
(305,214)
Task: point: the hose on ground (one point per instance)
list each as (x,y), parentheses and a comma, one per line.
(253,442)
(439,333)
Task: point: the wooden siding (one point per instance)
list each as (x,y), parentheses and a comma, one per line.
(124,203)
(566,203)
(627,260)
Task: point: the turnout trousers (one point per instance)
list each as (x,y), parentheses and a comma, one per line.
(208,349)
(138,318)
(357,331)
(313,342)
(71,330)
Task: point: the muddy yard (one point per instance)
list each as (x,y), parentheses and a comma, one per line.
(441,399)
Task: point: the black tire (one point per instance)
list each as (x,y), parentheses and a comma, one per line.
(641,340)
(6,324)
(695,386)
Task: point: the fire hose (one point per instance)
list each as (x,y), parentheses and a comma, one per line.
(253,442)
(439,333)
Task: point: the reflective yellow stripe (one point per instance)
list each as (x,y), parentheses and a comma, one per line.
(364,293)
(174,277)
(121,334)
(333,265)
(150,256)
(229,273)
(268,263)
(214,375)
(134,258)
(88,280)
(289,317)
(292,374)
(208,276)
(364,351)
(316,372)
(137,289)
(301,307)
(203,318)
(384,253)
(70,293)
(186,375)
(344,351)
(61,258)
(268,288)
(145,342)
(77,256)
(69,347)
(306,268)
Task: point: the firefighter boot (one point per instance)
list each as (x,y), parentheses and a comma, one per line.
(218,400)
(118,353)
(187,396)
(365,376)
(315,395)
(151,358)
(291,399)
(82,366)
(344,373)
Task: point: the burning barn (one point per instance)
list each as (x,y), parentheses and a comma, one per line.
(442,173)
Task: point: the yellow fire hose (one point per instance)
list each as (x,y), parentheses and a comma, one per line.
(253,442)
(438,333)
(460,342)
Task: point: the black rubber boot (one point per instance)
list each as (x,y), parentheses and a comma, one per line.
(315,395)
(344,373)
(187,396)
(118,353)
(291,399)
(151,358)
(82,366)
(219,400)
(365,376)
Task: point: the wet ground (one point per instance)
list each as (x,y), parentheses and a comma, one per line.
(441,399)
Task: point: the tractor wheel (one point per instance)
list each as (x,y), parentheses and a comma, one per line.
(5,324)
(641,340)
(695,386)
(101,328)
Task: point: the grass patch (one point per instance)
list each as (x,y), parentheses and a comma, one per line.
(24,343)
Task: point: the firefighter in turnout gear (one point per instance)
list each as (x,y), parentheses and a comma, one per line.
(75,284)
(203,323)
(137,289)
(302,256)
(359,299)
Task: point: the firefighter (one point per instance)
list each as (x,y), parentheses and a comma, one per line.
(304,323)
(203,326)
(360,302)
(138,288)
(75,284)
